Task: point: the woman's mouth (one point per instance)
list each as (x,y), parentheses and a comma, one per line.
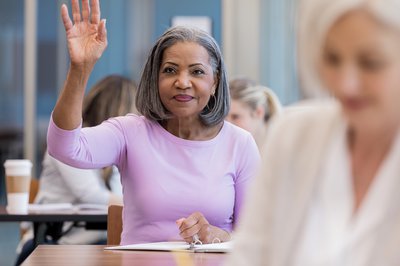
(183,98)
(355,104)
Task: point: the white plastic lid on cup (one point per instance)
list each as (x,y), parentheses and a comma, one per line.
(19,167)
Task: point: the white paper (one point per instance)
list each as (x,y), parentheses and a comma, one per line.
(176,246)
(91,206)
(49,207)
(216,247)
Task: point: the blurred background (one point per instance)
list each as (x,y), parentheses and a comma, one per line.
(256,37)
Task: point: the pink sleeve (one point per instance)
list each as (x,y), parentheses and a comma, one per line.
(88,148)
(248,167)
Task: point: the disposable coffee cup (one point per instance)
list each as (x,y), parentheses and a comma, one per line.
(18,179)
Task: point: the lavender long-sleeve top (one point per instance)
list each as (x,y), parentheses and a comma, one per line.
(164,177)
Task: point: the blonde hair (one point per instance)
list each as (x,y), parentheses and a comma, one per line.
(255,96)
(315,20)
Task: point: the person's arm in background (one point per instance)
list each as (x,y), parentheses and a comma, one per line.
(85,184)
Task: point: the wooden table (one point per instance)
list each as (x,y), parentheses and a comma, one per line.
(51,222)
(77,255)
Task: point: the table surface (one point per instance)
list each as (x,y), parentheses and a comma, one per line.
(46,255)
(54,216)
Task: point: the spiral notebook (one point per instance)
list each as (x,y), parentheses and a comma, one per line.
(224,247)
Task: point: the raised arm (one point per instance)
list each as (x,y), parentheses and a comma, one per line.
(87,40)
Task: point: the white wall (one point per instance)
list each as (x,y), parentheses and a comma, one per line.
(259,42)
(241,38)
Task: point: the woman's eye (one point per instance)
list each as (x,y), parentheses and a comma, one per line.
(235,117)
(332,59)
(198,72)
(169,70)
(371,65)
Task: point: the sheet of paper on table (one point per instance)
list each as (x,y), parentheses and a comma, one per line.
(177,246)
(49,207)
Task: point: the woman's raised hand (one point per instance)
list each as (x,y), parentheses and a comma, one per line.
(86,35)
(87,40)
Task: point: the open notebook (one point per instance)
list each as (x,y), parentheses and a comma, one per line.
(177,246)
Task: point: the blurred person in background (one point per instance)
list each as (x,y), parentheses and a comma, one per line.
(112,96)
(252,107)
(328,193)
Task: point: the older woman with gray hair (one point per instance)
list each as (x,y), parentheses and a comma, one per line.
(328,193)
(184,171)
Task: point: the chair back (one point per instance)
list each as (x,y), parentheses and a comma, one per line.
(114,224)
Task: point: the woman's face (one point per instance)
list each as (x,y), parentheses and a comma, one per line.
(361,68)
(186,79)
(245,117)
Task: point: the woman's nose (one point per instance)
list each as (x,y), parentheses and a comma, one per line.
(349,81)
(183,81)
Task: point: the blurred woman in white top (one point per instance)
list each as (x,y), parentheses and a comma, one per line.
(252,107)
(328,193)
(112,96)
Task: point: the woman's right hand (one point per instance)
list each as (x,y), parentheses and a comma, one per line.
(197,225)
(87,35)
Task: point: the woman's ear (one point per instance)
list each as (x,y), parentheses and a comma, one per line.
(213,89)
(216,81)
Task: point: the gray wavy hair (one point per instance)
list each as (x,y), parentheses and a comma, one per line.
(148,101)
(315,20)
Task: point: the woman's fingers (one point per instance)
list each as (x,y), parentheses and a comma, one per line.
(193,219)
(95,7)
(190,232)
(76,13)
(188,240)
(192,225)
(205,233)
(65,17)
(85,10)
(196,223)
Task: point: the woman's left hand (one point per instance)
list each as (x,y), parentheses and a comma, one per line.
(196,223)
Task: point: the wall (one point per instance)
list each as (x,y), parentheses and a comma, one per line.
(165,10)
(241,34)
(259,43)
(278,52)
